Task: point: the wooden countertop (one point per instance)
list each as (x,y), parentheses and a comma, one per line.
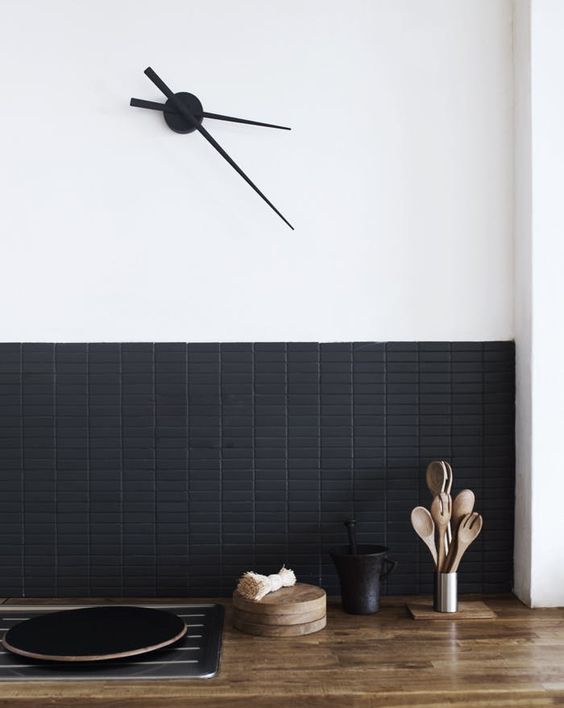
(386,659)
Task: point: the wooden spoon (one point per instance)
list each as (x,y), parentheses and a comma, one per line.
(436,477)
(424,526)
(462,504)
(468,531)
(441,510)
(448,488)
(448,485)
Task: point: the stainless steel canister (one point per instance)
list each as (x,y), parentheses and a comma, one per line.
(446,592)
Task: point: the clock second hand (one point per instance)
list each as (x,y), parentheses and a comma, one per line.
(159,83)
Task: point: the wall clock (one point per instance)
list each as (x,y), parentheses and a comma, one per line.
(184,113)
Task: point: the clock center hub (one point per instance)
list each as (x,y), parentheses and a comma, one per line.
(178,122)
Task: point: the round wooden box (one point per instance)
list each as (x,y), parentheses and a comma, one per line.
(289,612)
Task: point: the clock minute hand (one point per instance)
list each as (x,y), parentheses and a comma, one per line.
(218,116)
(160,84)
(141,103)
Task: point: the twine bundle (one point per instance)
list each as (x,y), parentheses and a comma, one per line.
(254,586)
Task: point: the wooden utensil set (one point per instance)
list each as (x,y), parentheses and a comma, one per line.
(452,524)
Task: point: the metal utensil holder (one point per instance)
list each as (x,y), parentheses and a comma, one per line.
(446,592)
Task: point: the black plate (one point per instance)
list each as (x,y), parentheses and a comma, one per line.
(95,633)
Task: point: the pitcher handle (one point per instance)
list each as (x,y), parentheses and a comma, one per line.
(392,565)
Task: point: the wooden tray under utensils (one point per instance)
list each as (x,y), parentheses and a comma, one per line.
(289,612)
(467,609)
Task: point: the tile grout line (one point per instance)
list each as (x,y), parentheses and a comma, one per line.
(88,480)
(319,475)
(483,455)
(451,403)
(451,400)
(55,475)
(219,363)
(22,468)
(451,427)
(155,494)
(386,520)
(253,462)
(419,463)
(121,464)
(351,434)
(286,473)
(187,461)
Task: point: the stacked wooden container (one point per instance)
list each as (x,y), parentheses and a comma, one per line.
(289,612)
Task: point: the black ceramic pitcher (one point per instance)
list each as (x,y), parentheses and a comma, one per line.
(360,574)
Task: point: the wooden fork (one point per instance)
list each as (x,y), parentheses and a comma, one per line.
(441,510)
(468,530)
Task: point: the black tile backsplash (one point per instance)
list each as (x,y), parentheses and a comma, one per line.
(168,469)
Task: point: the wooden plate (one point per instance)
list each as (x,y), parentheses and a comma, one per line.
(301,618)
(290,630)
(301,598)
(94,633)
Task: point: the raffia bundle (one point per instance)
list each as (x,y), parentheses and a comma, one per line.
(254,586)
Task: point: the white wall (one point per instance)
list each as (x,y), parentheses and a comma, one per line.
(397,174)
(541,342)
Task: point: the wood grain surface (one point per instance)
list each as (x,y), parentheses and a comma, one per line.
(386,660)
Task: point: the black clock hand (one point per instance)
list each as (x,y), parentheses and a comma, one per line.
(160,84)
(236,167)
(140,103)
(218,116)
